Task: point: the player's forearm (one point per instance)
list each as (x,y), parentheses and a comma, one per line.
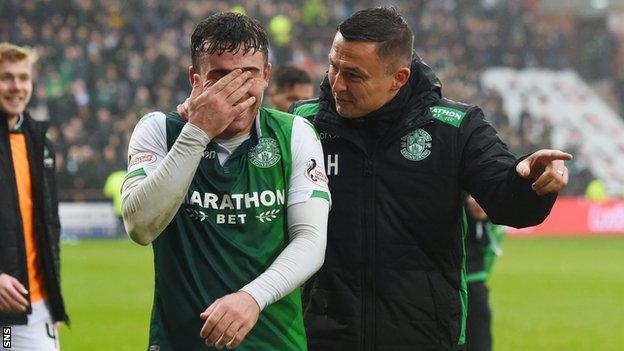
(150,203)
(300,259)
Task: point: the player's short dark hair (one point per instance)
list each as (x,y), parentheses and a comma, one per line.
(228,32)
(287,76)
(385,26)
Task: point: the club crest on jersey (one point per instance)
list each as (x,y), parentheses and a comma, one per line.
(416,145)
(266,154)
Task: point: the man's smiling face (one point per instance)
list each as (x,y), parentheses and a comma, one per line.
(15,86)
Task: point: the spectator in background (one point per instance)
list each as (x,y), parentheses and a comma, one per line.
(112,190)
(144,41)
(288,85)
(30,290)
(596,191)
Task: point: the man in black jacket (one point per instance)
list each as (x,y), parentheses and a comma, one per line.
(30,293)
(398,156)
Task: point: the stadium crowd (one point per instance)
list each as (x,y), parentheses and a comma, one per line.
(105,63)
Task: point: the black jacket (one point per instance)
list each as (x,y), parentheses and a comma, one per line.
(46,224)
(394,272)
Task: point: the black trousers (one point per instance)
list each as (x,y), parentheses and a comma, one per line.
(478,326)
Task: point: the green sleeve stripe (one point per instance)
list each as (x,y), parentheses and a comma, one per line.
(477,277)
(463,288)
(135,173)
(321,194)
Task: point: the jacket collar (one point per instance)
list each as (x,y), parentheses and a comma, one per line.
(28,126)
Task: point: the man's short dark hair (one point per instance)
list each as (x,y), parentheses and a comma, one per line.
(228,32)
(286,77)
(385,26)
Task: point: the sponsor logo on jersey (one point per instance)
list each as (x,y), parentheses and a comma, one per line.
(316,174)
(142,157)
(266,198)
(266,154)
(226,203)
(416,145)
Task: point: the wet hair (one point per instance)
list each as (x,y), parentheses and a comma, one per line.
(384,26)
(228,32)
(287,76)
(13,53)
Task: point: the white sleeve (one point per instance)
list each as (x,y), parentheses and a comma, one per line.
(302,257)
(156,183)
(148,144)
(308,178)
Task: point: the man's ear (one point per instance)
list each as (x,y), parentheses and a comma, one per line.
(191,74)
(267,75)
(400,78)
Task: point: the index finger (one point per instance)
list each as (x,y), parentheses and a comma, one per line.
(225,80)
(551,155)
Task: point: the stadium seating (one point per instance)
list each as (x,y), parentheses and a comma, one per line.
(582,119)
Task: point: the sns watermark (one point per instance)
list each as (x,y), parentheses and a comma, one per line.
(6,337)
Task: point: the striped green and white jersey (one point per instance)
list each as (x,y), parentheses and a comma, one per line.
(230,227)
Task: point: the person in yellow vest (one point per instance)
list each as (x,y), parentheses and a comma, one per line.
(31,303)
(596,191)
(112,190)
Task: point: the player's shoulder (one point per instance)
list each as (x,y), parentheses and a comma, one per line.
(275,119)
(451,112)
(277,114)
(159,120)
(150,120)
(296,126)
(305,108)
(152,126)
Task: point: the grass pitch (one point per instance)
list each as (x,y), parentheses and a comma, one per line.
(546,294)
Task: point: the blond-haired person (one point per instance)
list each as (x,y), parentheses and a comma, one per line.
(30,294)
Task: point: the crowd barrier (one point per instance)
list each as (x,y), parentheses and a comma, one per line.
(573,216)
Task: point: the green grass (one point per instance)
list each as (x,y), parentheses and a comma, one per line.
(107,285)
(559,294)
(547,294)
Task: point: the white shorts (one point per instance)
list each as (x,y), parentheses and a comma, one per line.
(38,335)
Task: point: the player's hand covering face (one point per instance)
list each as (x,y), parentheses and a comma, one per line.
(227,92)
